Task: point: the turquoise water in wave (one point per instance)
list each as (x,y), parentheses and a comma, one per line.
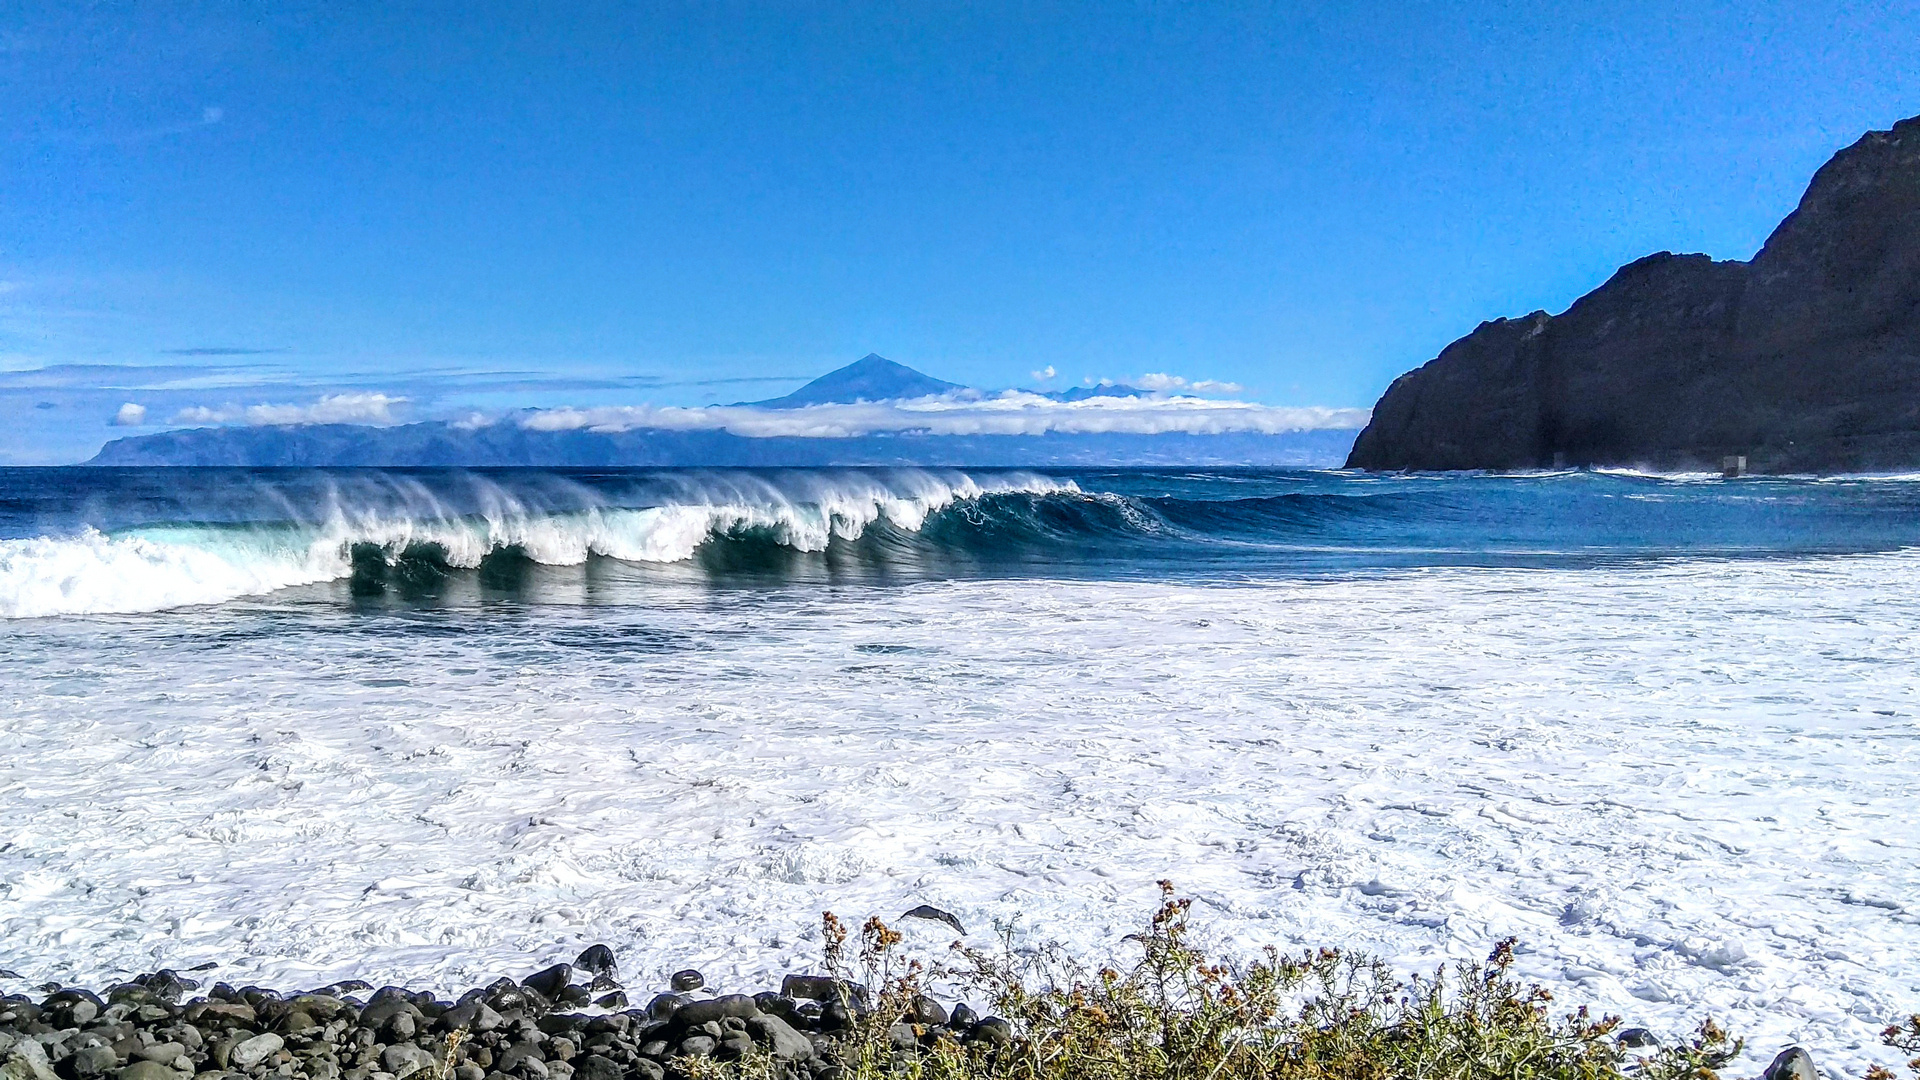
(425,536)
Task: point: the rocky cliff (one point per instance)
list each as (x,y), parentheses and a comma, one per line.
(1805,359)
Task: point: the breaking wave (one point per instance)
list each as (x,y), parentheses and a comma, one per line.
(120,541)
(372,530)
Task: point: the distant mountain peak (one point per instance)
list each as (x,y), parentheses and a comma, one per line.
(871,378)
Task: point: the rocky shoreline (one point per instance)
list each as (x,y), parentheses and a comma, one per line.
(568,1021)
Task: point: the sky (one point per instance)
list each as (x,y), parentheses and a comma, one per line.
(347,211)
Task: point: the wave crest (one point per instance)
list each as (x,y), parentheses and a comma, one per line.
(182,564)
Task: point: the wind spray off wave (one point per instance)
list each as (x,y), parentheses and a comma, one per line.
(213,545)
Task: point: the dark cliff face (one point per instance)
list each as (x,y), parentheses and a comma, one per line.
(1806,359)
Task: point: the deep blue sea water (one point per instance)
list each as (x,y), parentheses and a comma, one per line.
(421,536)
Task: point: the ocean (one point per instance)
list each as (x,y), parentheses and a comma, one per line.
(436,726)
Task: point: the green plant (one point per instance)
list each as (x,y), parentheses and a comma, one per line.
(1177,1014)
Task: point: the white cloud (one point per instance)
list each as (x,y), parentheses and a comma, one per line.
(1044,374)
(356,408)
(1160,380)
(130,415)
(1009,413)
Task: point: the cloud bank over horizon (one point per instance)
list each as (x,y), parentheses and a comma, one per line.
(1011,412)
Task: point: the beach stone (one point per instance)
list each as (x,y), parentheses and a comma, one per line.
(648,1070)
(27,1061)
(811,987)
(700,1012)
(469,1071)
(925,1010)
(405,1059)
(1793,1063)
(91,1061)
(902,1036)
(934,914)
(615,1000)
(835,1016)
(698,1046)
(550,981)
(684,981)
(165,1053)
(665,1005)
(251,1052)
(780,1038)
(222,1014)
(511,1059)
(733,1047)
(148,1070)
(963,1017)
(597,960)
(1636,1038)
(993,1031)
(596,1067)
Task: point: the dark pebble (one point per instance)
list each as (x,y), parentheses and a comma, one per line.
(739,1006)
(550,982)
(992,1031)
(684,981)
(925,1010)
(597,960)
(934,914)
(1635,1038)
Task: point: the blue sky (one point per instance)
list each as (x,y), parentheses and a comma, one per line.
(478,206)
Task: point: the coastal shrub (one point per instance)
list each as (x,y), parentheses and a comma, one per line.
(1177,1014)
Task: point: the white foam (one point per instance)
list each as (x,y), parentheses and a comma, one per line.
(165,567)
(1689,788)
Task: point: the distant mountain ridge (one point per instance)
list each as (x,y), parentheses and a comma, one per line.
(872,378)
(1805,359)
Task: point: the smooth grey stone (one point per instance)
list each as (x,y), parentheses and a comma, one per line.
(27,1061)
(648,1070)
(165,1053)
(148,1070)
(934,914)
(253,1051)
(405,1059)
(780,1038)
(1793,1063)
(686,980)
(697,1046)
(91,1061)
(925,1010)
